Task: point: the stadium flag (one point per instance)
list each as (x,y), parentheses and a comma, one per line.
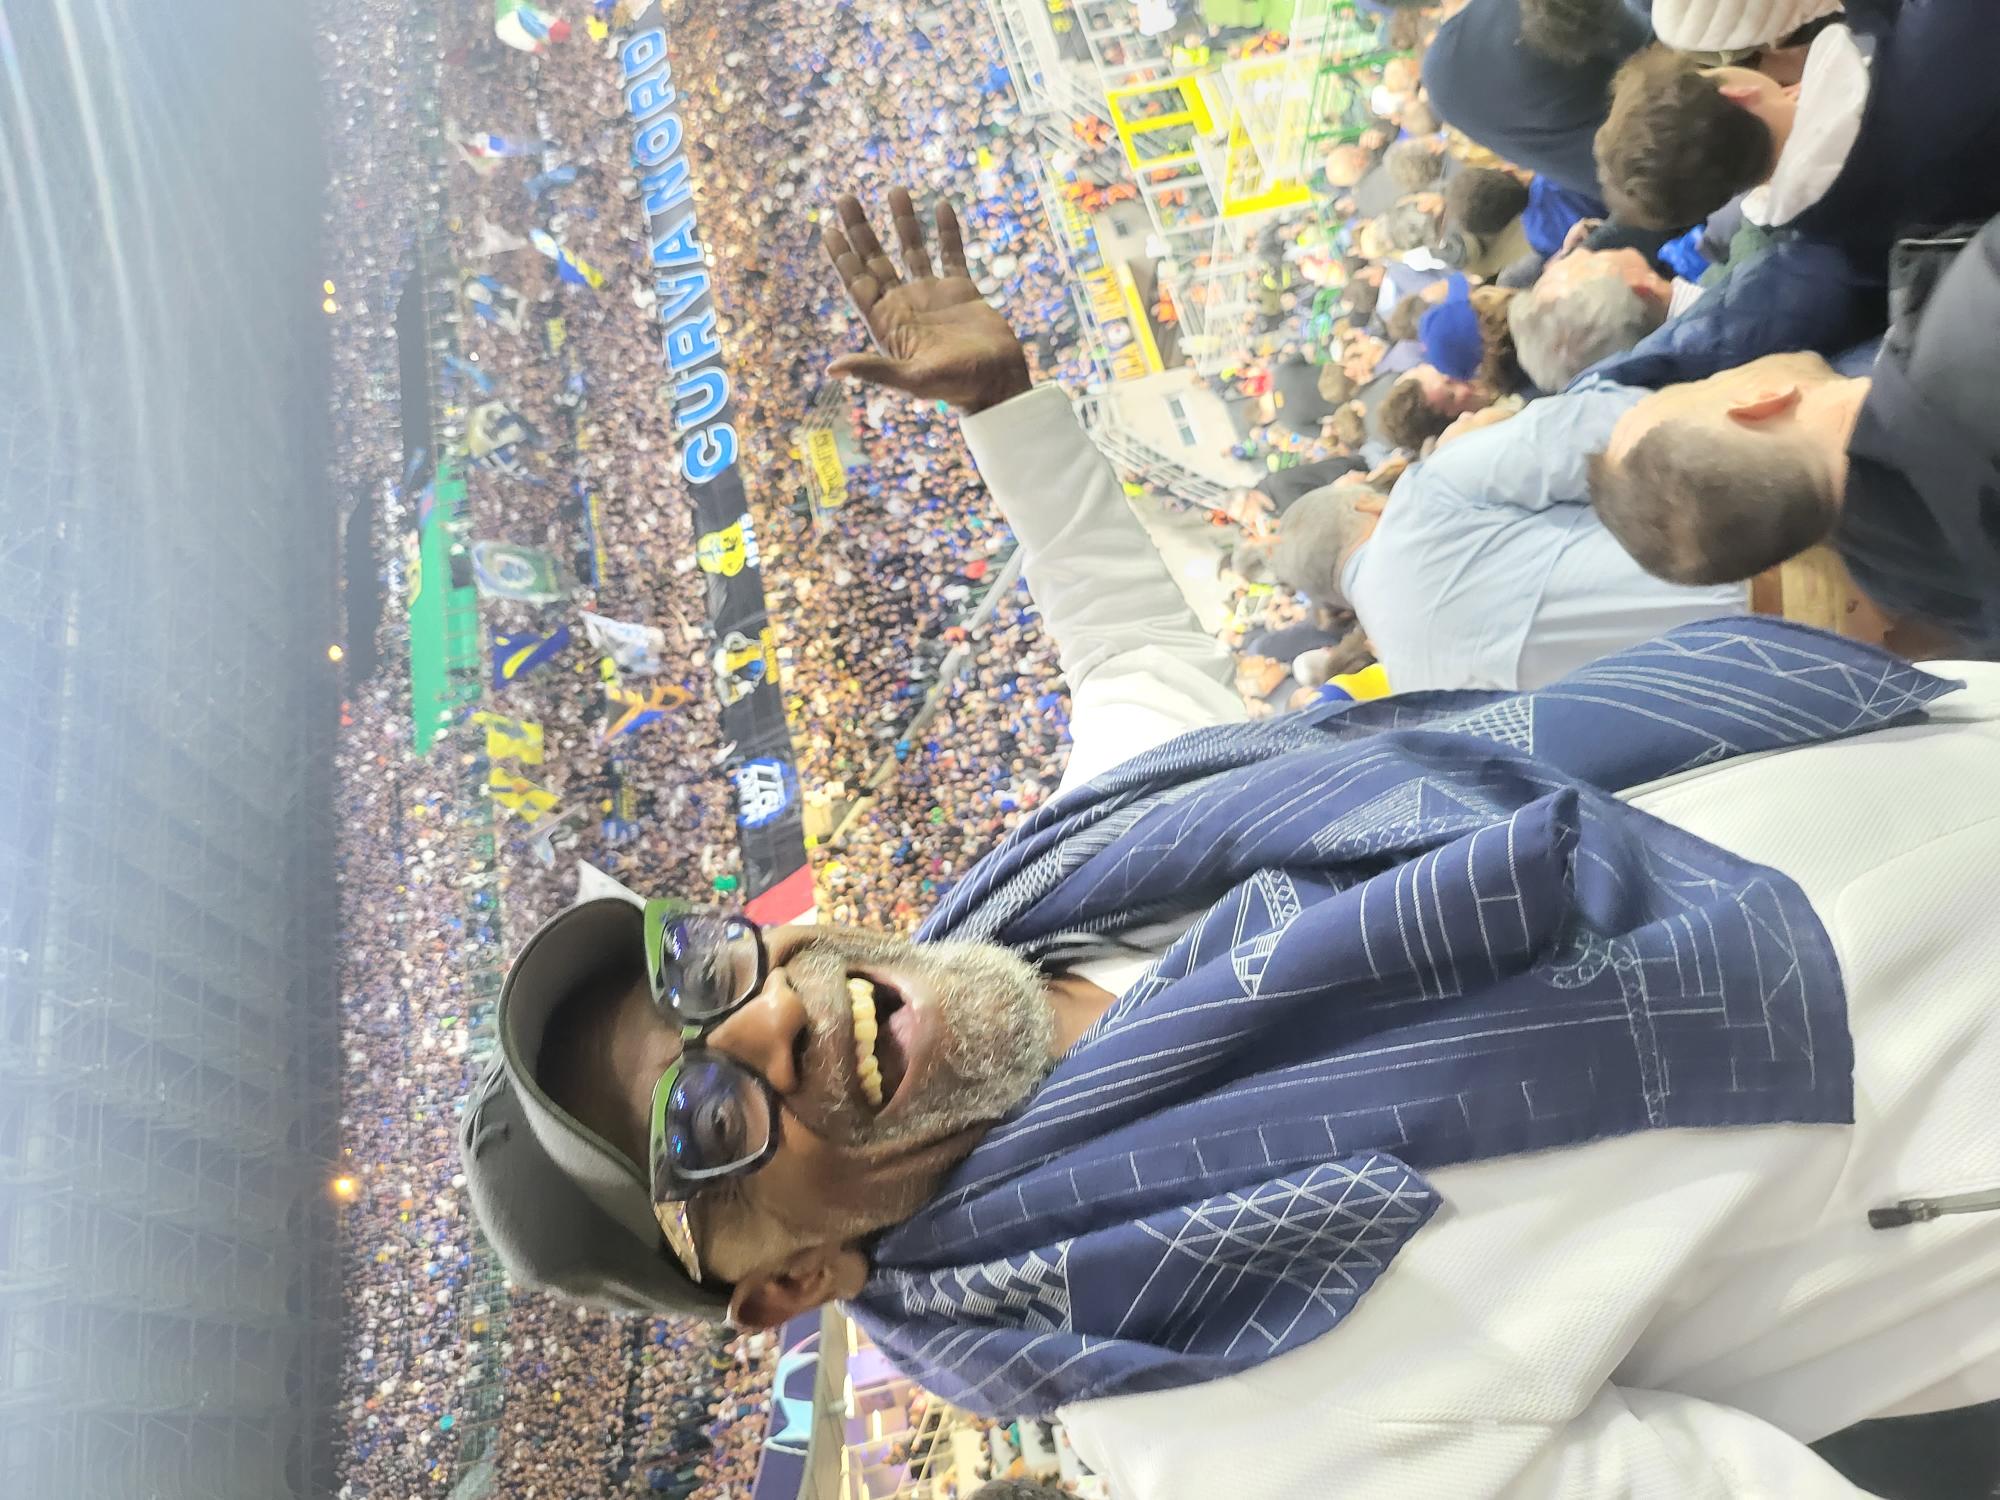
(635,710)
(495,434)
(523,798)
(491,239)
(559,830)
(637,649)
(510,738)
(517,653)
(526,29)
(492,143)
(573,269)
(467,371)
(496,302)
(503,570)
(543,183)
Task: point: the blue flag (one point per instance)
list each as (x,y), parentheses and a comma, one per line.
(516,654)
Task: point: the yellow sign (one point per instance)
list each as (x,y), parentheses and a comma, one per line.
(823,462)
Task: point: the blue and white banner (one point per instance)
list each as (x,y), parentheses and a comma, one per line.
(777,882)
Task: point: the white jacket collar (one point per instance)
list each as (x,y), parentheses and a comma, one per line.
(1833,96)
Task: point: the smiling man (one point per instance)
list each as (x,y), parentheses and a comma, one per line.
(1574,1093)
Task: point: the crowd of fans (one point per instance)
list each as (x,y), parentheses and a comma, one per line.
(1459,269)
(868,601)
(1633,239)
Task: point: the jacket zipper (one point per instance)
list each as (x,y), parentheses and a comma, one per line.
(1922,1210)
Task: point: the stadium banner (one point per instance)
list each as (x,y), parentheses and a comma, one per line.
(443,614)
(762,770)
(829,474)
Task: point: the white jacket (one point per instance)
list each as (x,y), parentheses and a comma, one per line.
(1671,1315)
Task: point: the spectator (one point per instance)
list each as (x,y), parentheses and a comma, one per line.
(1899,468)
(1587,306)
(1416,914)
(1534,110)
(1860,150)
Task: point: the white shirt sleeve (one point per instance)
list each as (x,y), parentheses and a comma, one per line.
(1139,666)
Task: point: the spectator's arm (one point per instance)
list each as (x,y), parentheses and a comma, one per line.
(1140,668)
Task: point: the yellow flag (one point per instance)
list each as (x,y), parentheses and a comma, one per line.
(511,739)
(520,796)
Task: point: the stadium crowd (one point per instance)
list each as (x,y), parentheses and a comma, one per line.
(868,600)
(1490,247)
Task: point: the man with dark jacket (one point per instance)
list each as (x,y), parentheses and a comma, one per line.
(1796,295)
(1899,469)
(1536,111)
(1885,132)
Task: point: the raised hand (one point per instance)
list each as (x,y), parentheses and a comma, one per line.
(935,336)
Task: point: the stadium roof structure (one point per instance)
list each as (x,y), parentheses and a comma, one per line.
(168,1017)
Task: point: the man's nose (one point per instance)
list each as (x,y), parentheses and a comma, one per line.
(766,1033)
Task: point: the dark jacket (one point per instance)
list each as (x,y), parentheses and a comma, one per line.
(1796,296)
(1535,112)
(1920,525)
(1929,147)
(1286,487)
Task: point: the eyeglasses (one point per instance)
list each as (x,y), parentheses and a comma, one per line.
(713,1117)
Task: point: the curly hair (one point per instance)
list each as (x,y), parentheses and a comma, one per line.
(1407,419)
(1406,320)
(1673,149)
(1499,368)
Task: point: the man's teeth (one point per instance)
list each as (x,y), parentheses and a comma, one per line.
(861,999)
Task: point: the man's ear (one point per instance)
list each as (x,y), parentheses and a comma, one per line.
(813,1277)
(1370,504)
(1742,95)
(1764,405)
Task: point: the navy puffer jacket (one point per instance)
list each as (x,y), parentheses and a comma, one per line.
(1798,295)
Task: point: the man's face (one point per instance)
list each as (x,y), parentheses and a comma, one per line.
(1774,103)
(1760,397)
(1628,265)
(964,1032)
(1346,165)
(1445,396)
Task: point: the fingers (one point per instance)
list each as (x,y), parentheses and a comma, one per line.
(951,243)
(854,222)
(863,288)
(873,368)
(909,234)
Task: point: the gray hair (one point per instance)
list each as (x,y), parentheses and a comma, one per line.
(1315,535)
(1557,338)
(1408,227)
(1413,166)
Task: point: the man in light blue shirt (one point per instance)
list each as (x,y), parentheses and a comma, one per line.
(1486,567)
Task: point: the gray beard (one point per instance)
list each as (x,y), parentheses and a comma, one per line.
(993,1046)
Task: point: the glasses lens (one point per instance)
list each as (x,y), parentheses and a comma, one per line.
(718,1120)
(706,964)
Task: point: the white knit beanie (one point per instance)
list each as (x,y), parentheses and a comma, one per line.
(1733,25)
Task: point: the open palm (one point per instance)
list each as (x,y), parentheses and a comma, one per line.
(935,336)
